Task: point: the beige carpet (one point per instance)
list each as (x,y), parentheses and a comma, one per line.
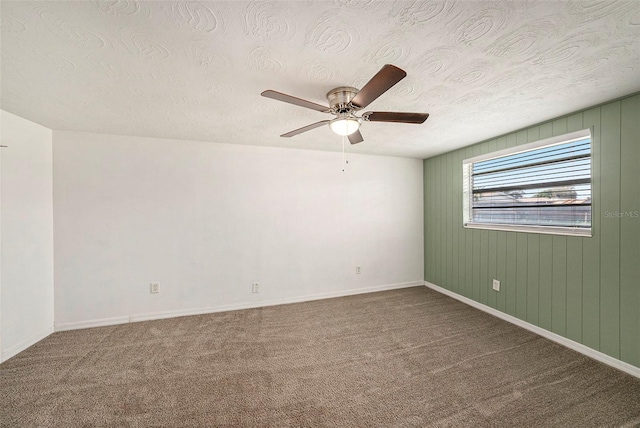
(401,358)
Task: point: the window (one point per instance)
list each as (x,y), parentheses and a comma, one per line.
(542,187)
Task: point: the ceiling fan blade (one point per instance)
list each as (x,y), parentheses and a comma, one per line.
(390,116)
(388,76)
(356,137)
(305,128)
(294,100)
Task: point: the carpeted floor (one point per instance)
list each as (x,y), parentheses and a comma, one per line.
(402,358)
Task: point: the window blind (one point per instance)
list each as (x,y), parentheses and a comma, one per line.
(546,186)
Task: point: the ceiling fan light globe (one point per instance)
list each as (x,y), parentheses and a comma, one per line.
(344,127)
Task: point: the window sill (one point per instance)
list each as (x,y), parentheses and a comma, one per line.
(546,230)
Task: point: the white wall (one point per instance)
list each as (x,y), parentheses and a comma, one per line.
(206,220)
(26,280)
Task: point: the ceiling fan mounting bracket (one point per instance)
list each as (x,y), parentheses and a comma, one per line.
(340,99)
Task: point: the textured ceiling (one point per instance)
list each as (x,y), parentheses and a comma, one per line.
(195,70)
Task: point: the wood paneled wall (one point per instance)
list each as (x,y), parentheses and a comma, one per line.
(584,288)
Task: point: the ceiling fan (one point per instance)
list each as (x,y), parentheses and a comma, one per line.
(345,101)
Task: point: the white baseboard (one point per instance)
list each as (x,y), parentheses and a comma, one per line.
(579,347)
(19,347)
(232,307)
(91,323)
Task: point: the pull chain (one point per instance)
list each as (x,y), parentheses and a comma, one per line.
(345,158)
(344,137)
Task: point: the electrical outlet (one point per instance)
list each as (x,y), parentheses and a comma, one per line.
(255,287)
(154,287)
(496,285)
(358,270)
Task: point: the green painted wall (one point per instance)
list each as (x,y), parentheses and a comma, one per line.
(585,289)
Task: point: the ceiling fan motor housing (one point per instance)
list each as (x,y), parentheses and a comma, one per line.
(340,99)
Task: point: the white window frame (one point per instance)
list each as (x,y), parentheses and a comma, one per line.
(467,194)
